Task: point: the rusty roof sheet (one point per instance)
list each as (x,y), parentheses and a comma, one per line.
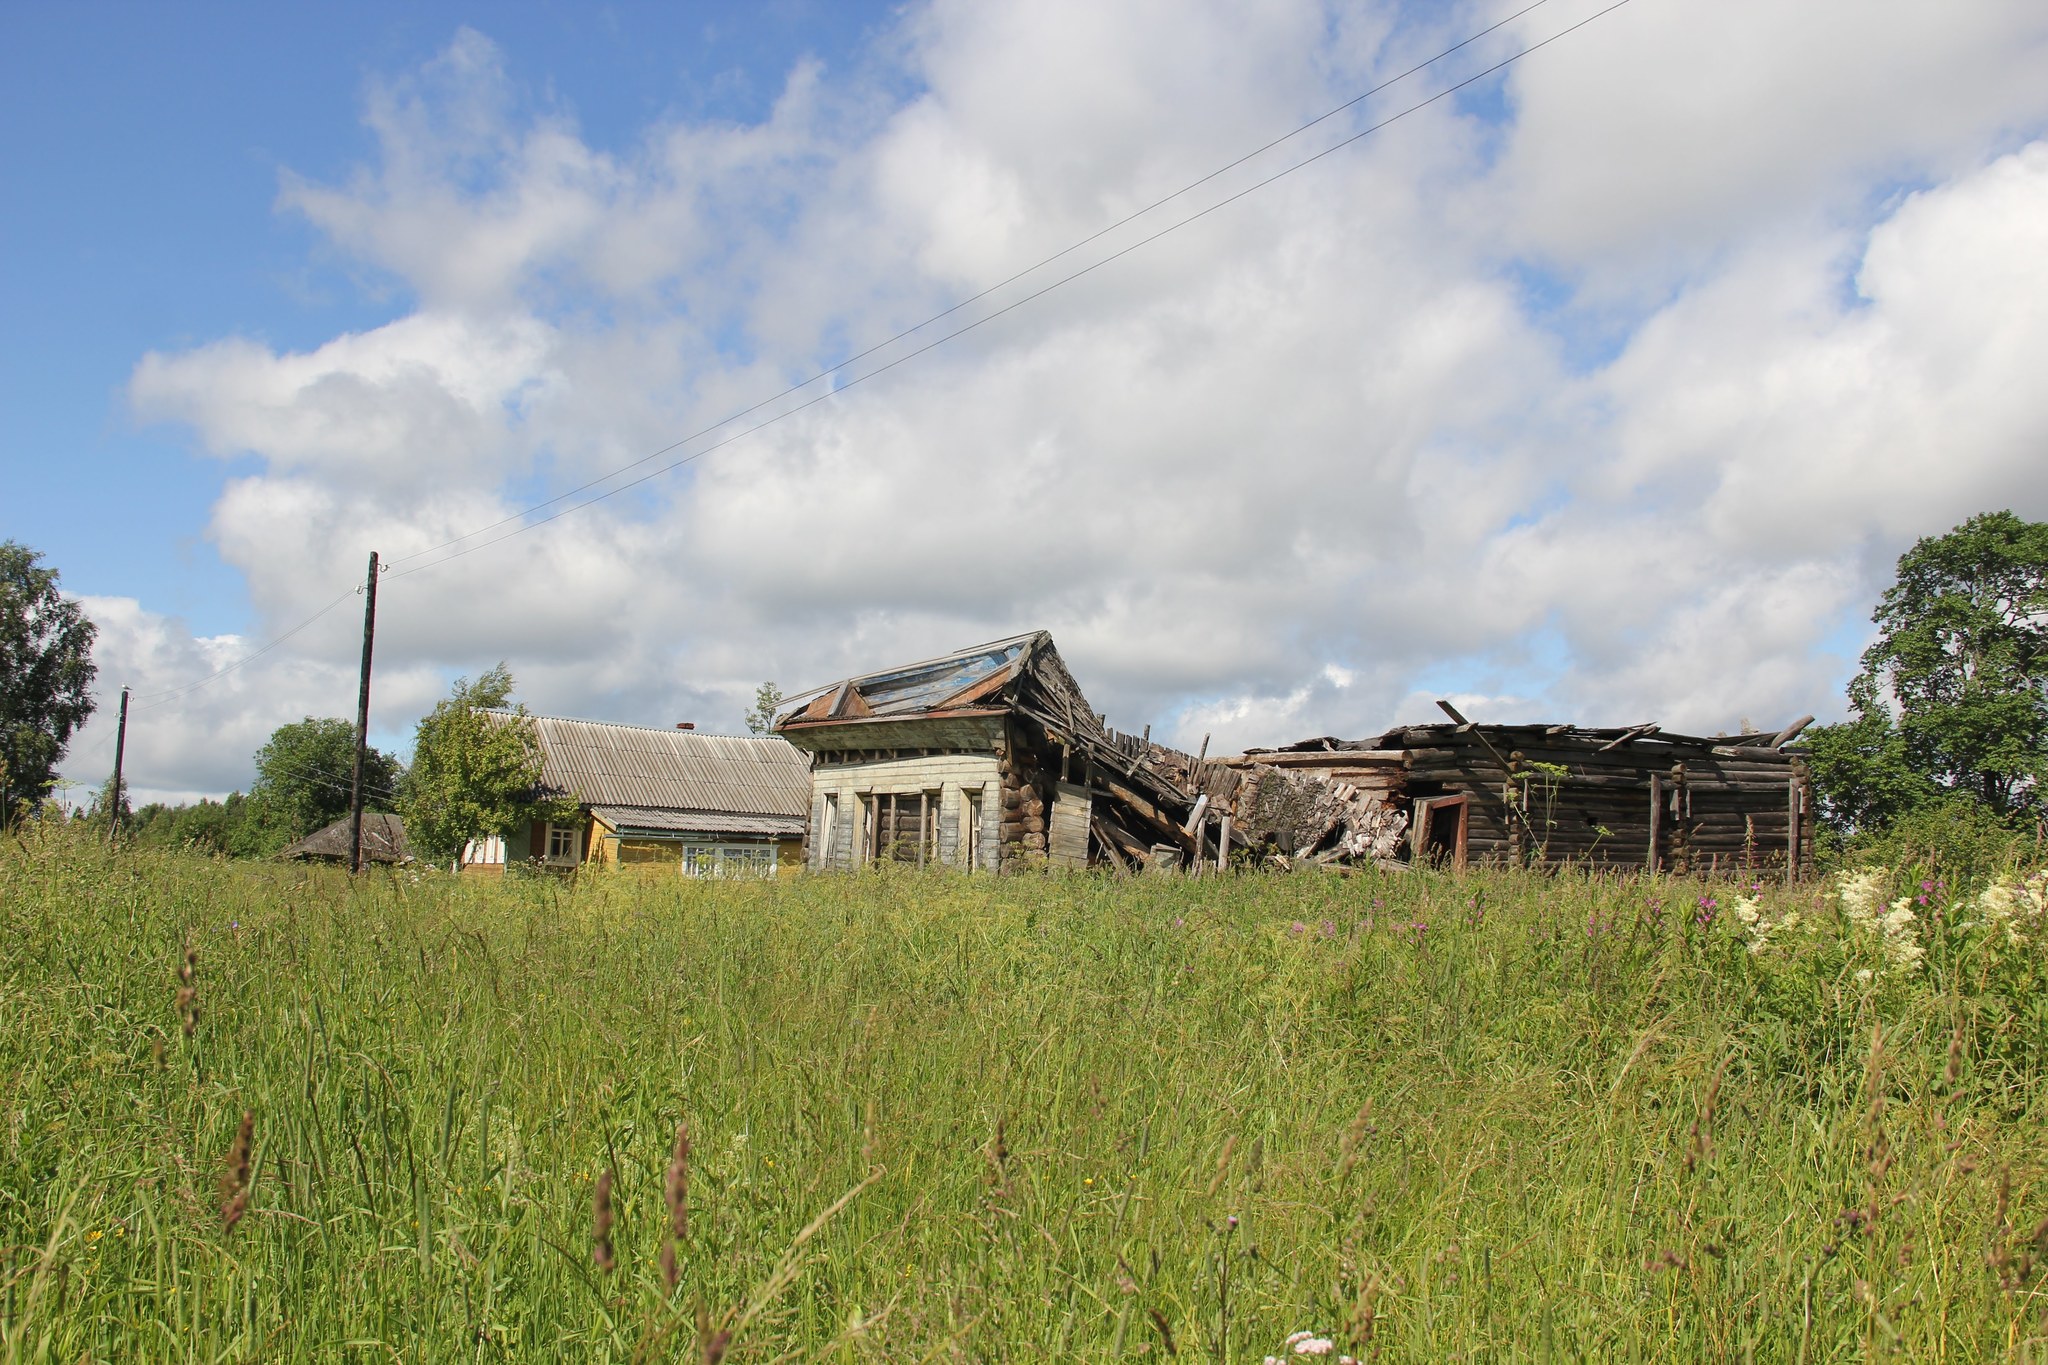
(911,689)
(604,764)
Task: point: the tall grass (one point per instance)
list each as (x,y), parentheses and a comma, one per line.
(1485,1117)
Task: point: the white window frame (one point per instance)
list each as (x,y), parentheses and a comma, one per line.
(729,860)
(570,836)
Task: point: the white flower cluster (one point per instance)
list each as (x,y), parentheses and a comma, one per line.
(1893,927)
(2015,907)
(1749,913)
(1308,1344)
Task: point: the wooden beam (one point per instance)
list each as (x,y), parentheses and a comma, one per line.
(1791,732)
(1656,818)
(1485,743)
(1151,814)
(1637,733)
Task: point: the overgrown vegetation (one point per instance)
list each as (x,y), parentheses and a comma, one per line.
(1951,705)
(1498,1116)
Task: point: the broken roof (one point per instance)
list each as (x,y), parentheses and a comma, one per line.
(980,677)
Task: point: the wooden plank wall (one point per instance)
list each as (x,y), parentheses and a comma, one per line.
(1072,809)
(1718,808)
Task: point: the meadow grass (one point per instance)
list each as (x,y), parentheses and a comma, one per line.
(1495,1116)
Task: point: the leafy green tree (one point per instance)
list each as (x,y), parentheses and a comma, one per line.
(1952,700)
(767,698)
(476,770)
(303,772)
(46,673)
(224,828)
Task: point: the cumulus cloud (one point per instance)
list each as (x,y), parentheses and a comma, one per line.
(1297,468)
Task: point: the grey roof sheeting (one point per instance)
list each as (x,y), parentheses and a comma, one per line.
(383,841)
(605,764)
(629,819)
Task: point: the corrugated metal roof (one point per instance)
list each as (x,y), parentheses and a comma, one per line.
(604,764)
(628,818)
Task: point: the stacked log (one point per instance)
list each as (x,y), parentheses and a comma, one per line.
(1024,804)
(1721,806)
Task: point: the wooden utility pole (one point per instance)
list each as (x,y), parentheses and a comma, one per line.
(355,788)
(120,752)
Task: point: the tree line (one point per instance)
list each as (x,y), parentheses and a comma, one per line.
(1945,745)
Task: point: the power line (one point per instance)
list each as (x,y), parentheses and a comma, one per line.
(167,696)
(970,299)
(969,327)
(171,694)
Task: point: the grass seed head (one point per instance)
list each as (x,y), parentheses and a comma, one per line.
(1165,1330)
(1701,1145)
(676,1190)
(188,990)
(601,1223)
(234,1185)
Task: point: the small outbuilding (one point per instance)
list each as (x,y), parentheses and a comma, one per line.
(383,842)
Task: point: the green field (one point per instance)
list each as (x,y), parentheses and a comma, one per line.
(1486,1117)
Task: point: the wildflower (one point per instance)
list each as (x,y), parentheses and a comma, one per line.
(1760,928)
(1297,929)
(1901,946)
(1893,927)
(2011,907)
(1307,1344)
(1329,928)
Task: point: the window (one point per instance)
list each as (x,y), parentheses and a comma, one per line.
(729,860)
(565,844)
(828,833)
(905,827)
(970,828)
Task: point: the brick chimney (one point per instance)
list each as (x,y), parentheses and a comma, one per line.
(686,725)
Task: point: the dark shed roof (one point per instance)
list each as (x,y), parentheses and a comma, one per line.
(383,841)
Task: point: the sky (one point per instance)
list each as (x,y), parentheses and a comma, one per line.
(1607,387)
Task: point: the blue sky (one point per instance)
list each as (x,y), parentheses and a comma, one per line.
(1608,390)
(143,160)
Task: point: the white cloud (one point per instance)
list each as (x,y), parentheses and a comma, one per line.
(1282,473)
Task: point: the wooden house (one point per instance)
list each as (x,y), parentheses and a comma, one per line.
(988,758)
(1460,793)
(668,801)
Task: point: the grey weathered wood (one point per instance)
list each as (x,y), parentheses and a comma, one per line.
(1626,736)
(1791,732)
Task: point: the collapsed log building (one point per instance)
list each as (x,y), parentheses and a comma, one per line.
(992,758)
(988,758)
(1460,793)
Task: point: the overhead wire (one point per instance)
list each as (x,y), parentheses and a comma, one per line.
(167,696)
(1253,188)
(154,700)
(971,299)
